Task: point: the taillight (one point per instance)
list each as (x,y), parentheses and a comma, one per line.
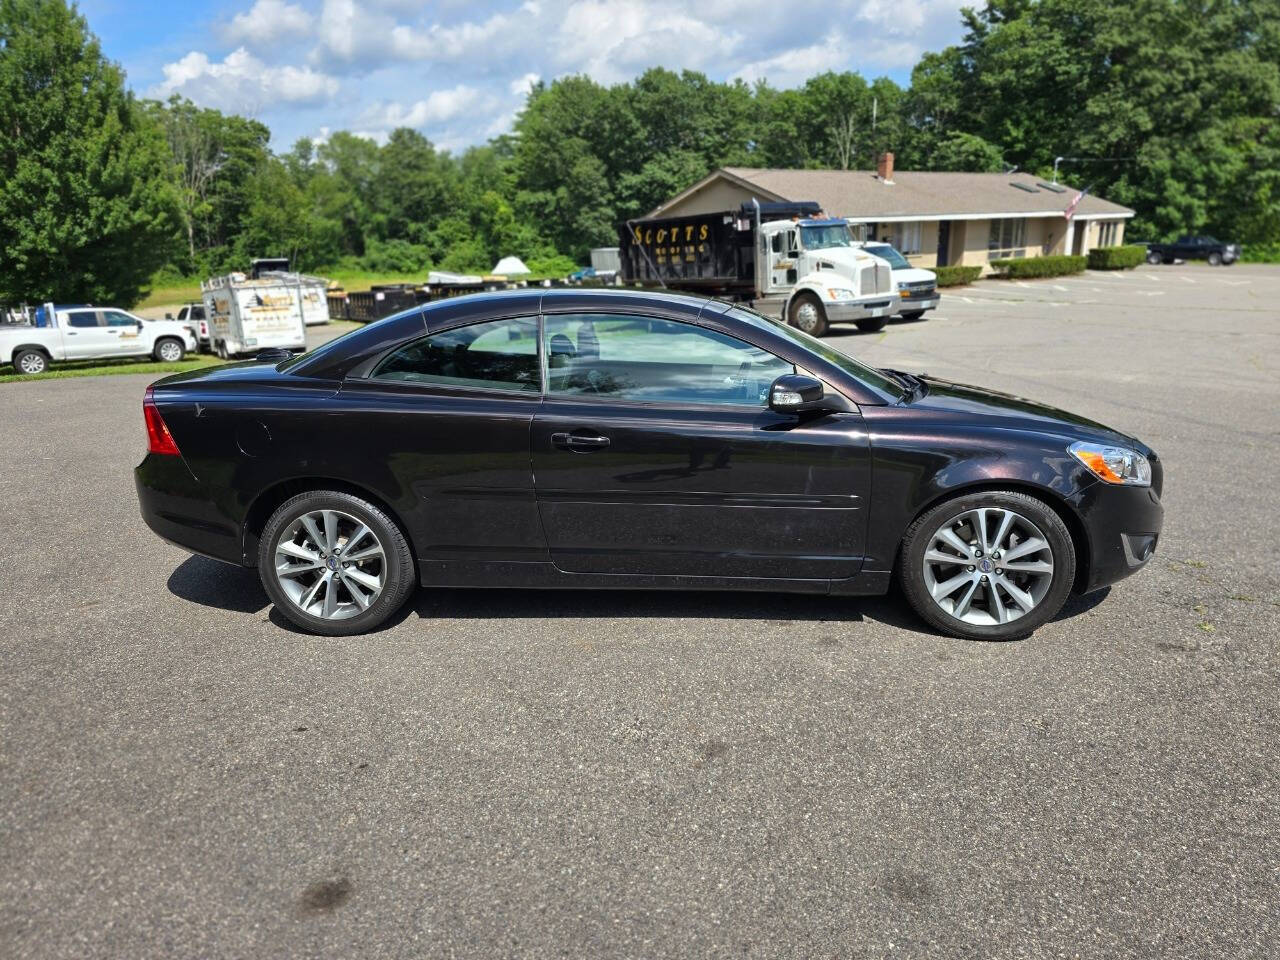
(159,439)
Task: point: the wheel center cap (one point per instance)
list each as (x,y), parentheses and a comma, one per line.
(332,563)
(984,565)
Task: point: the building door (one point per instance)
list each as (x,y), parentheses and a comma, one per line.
(944,242)
(1081,239)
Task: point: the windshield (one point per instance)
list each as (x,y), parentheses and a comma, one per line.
(868,375)
(831,235)
(886,252)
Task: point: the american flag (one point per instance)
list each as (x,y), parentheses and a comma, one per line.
(1071,207)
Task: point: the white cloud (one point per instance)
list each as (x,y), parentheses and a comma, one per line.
(522,85)
(242,83)
(266,23)
(612,40)
(440,106)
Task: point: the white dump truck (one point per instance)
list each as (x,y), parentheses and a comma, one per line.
(270,307)
(784,258)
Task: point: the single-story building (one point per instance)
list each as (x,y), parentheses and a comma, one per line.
(933,218)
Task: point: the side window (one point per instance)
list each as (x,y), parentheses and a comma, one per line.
(117,319)
(497,354)
(655,361)
(82,318)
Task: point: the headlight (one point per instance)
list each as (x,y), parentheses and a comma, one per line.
(1114,464)
(839,293)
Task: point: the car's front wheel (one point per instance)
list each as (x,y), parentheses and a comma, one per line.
(170,350)
(1215,259)
(993,565)
(1154,257)
(872,324)
(335,564)
(912,314)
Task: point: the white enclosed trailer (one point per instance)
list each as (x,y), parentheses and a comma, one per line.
(246,315)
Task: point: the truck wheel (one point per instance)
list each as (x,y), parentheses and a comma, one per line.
(30,362)
(169,350)
(1153,257)
(1215,259)
(912,314)
(872,324)
(221,350)
(806,314)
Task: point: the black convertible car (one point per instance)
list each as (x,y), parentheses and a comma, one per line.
(634,440)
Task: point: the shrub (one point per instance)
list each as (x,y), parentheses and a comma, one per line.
(1260,253)
(1117,258)
(1052,266)
(956,276)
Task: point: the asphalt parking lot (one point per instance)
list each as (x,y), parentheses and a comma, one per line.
(511,774)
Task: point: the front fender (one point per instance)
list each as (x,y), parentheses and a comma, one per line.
(915,467)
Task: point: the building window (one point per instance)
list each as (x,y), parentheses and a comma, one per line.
(1107,231)
(909,238)
(1007,239)
(903,237)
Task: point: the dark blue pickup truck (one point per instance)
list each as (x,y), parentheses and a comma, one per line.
(1194,248)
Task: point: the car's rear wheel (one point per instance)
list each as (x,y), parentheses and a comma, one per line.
(30,362)
(806,314)
(170,350)
(872,324)
(334,563)
(993,565)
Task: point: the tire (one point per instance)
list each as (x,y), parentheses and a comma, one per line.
(169,350)
(912,314)
(986,619)
(1153,257)
(806,313)
(339,614)
(1215,259)
(30,362)
(872,324)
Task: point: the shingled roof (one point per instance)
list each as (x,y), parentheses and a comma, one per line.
(860,194)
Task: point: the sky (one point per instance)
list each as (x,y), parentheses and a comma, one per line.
(459,70)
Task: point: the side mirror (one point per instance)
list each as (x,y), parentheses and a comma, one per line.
(796,393)
(139,324)
(168,316)
(776,243)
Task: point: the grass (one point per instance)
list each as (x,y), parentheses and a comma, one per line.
(175,292)
(97,368)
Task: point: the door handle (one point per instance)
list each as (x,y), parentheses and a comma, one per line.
(580,442)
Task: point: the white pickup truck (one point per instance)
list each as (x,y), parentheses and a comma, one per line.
(91,333)
(917,288)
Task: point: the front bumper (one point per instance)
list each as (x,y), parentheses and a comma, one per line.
(1123,527)
(864,308)
(918,304)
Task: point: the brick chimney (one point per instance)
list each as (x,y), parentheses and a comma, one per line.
(884,168)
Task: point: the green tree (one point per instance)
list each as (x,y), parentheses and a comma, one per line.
(88,207)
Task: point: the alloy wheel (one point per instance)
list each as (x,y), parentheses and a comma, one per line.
(32,363)
(170,351)
(988,566)
(330,564)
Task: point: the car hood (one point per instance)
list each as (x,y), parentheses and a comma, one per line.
(914,275)
(1016,413)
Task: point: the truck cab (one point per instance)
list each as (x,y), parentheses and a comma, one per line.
(816,273)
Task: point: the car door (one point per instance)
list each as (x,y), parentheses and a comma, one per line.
(85,336)
(655,453)
(441,427)
(126,333)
